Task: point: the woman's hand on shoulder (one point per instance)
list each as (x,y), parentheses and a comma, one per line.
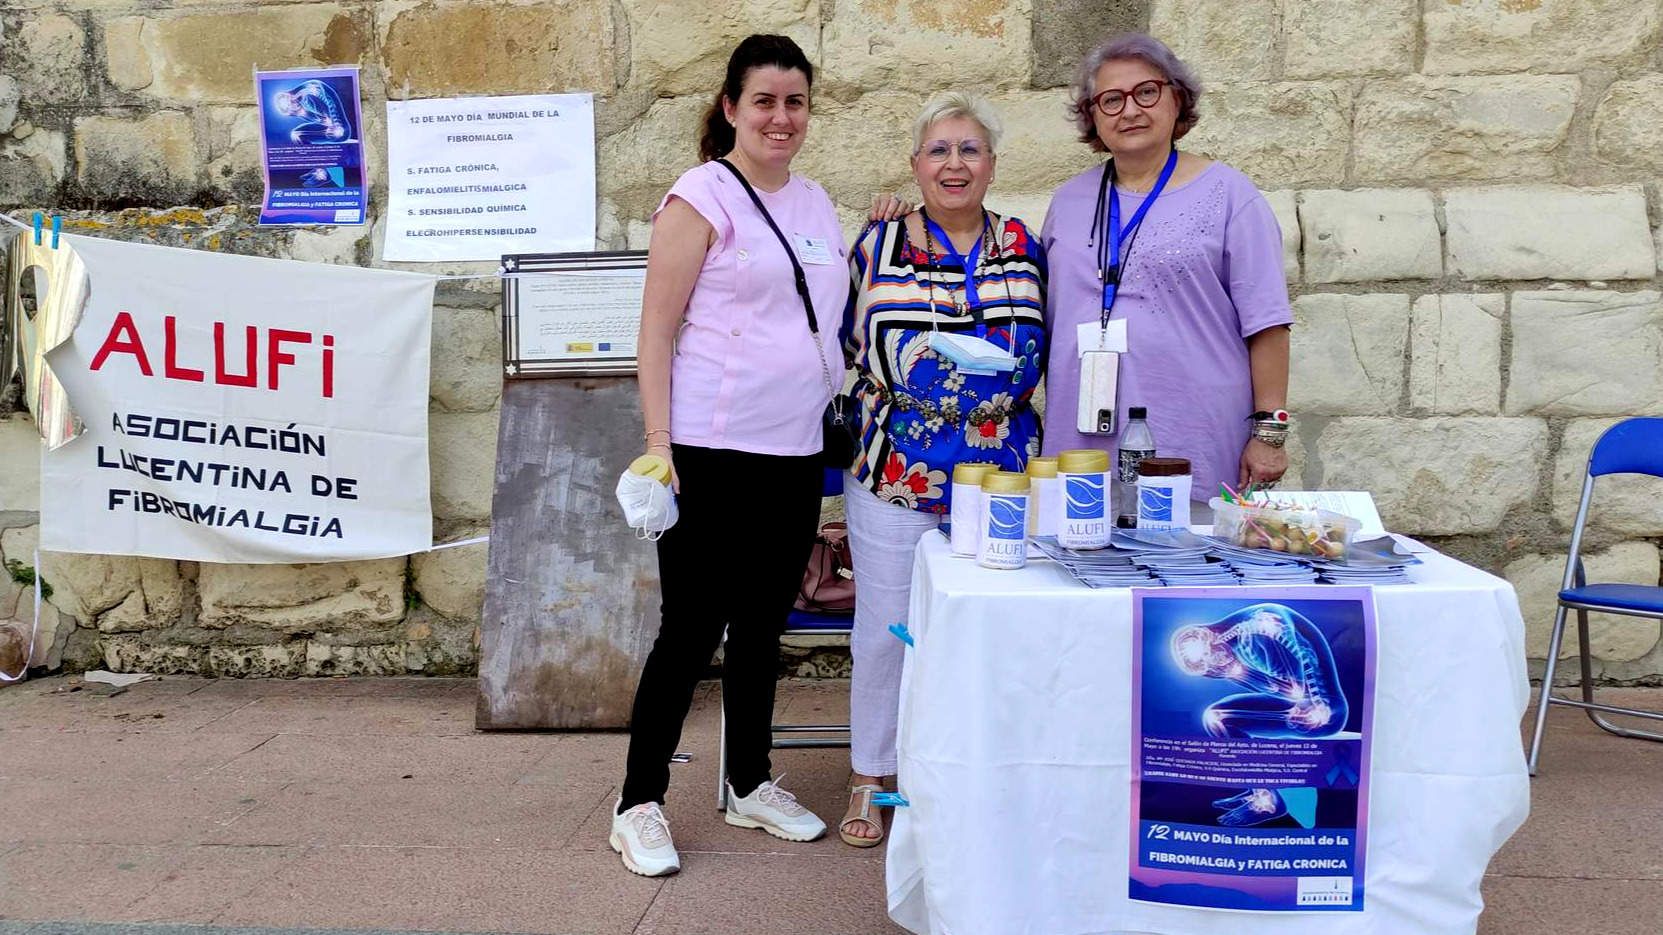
(889,207)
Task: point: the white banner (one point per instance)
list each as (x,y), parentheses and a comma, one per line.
(473,178)
(240,409)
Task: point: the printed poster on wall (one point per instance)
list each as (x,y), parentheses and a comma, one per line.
(312,146)
(238,409)
(475,178)
(1251,717)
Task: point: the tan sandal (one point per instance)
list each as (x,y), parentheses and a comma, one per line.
(863,795)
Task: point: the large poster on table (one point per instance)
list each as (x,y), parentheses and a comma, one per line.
(1250,763)
(312,146)
(234,409)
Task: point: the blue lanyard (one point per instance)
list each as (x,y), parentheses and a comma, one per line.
(972,297)
(1109,267)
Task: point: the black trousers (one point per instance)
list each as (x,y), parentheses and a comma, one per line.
(734,559)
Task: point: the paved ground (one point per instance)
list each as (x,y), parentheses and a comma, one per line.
(373,805)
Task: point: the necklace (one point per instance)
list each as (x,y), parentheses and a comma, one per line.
(970,265)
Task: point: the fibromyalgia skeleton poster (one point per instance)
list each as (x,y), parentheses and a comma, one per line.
(1251,712)
(312,145)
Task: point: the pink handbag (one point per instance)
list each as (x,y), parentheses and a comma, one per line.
(829,580)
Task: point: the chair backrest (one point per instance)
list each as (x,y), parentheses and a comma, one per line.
(1632,446)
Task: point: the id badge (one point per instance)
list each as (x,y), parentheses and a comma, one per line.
(1099,379)
(814,251)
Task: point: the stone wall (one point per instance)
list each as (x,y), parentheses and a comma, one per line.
(1470,191)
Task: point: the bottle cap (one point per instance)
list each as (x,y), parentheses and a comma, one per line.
(972,472)
(652,467)
(1005,482)
(1164,467)
(1042,467)
(1083,461)
(1137,412)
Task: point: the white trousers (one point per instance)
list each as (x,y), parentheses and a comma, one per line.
(882,537)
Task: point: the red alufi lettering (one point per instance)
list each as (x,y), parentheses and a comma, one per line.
(124,338)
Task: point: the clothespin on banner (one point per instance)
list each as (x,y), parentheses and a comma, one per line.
(57,228)
(892,799)
(39,219)
(900,631)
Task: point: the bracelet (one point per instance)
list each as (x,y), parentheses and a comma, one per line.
(1273,439)
(657,445)
(1276,416)
(655,432)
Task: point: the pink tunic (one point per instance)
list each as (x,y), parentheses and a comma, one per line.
(745,375)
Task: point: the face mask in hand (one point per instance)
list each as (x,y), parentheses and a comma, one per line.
(649,506)
(972,355)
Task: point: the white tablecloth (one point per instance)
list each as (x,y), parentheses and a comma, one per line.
(1015,753)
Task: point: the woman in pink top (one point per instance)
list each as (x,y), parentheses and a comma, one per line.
(733,383)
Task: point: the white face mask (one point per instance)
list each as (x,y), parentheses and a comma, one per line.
(649,506)
(972,355)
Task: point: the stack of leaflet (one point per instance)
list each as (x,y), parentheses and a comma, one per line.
(1097,568)
(1177,557)
(1373,561)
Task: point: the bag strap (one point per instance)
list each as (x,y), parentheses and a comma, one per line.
(796,271)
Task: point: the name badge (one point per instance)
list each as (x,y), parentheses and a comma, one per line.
(815,251)
(1092,336)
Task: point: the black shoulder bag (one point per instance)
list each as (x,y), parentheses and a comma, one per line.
(838,428)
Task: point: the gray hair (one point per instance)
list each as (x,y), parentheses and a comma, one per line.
(1145,48)
(950,104)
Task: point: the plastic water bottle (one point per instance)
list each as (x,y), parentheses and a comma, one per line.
(1136,443)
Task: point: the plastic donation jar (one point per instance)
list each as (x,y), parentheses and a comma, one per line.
(1084,473)
(1164,493)
(966,515)
(1004,520)
(1044,497)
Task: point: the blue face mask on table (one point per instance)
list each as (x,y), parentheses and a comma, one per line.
(972,355)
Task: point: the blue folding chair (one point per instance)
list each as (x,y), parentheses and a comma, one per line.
(797,623)
(1633,446)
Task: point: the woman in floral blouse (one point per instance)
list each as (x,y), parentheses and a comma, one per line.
(911,314)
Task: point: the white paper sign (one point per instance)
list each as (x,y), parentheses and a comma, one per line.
(473,178)
(241,409)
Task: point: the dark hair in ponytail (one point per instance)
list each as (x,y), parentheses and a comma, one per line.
(757,51)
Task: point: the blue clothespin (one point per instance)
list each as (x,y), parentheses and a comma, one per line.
(900,631)
(892,799)
(39,219)
(57,227)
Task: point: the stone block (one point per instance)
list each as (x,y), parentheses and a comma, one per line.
(467,358)
(48,56)
(1285,205)
(30,168)
(533,48)
(1417,128)
(682,48)
(280,661)
(1613,638)
(463,454)
(1065,30)
(18,544)
(1628,123)
(1438,476)
(1625,504)
(210,56)
(855,149)
(1040,149)
(1455,342)
(1507,36)
(452,581)
(338,661)
(14,647)
(302,598)
(152,158)
(638,164)
(231,137)
(89,585)
(1220,41)
(1549,232)
(1282,134)
(19,464)
(1029,209)
(871,44)
(1348,354)
(1370,234)
(338,245)
(1578,353)
(1330,38)
(130,653)
(11,94)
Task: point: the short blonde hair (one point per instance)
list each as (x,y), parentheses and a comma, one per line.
(950,104)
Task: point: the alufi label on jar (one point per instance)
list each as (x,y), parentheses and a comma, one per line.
(1005,536)
(1085,523)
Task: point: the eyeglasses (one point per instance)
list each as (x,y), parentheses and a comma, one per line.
(1145,93)
(969,150)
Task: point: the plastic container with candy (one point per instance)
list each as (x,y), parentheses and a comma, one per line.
(1307,532)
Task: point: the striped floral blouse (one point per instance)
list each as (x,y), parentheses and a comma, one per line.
(919,413)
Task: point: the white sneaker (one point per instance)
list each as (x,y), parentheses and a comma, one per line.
(775,811)
(641,836)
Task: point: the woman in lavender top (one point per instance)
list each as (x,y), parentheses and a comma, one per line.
(1201,288)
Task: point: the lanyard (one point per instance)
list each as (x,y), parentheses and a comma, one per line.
(1110,263)
(971,297)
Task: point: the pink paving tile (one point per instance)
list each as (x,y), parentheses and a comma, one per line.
(113,812)
(1523,905)
(169,707)
(749,894)
(476,758)
(130,756)
(432,715)
(94,882)
(449,889)
(417,814)
(413,687)
(202,882)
